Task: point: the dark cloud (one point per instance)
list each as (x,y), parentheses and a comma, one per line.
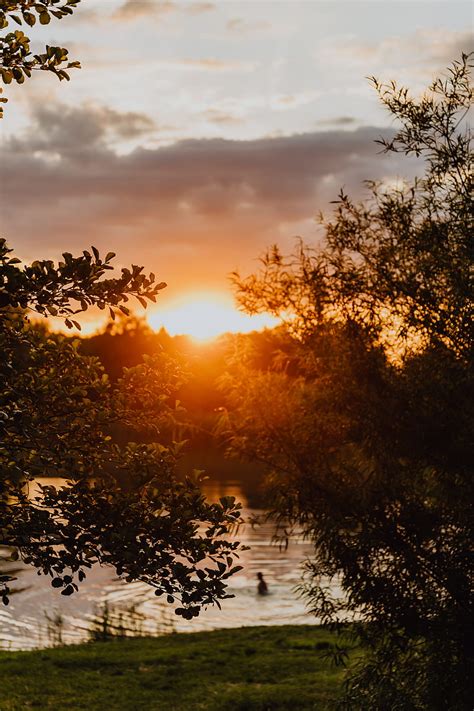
(192,210)
(127,125)
(69,133)
(338,121)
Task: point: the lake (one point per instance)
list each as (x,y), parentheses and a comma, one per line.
(24,624)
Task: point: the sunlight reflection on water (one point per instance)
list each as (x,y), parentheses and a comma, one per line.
(24,623)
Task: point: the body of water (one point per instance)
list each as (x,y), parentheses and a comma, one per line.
(38,615)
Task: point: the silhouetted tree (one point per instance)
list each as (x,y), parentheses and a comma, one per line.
(368,428)
(121,505)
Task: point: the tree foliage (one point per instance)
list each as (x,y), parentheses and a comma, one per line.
(366,421)
(17,61)
(122,504)
(400,262)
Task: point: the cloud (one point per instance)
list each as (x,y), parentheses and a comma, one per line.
(210,64)
(126,125)
(221,117)
(135,9)
(69,133)
(450,47)
(431,49)
(196,8)
(190,211)
(240,26)
(338,121)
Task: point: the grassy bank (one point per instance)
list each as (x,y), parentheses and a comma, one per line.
(247,669)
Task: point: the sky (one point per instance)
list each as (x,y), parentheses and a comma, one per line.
(197,134)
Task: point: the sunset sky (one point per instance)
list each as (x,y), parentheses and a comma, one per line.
(197,134)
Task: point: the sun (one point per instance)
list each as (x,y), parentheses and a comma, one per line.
(206,315)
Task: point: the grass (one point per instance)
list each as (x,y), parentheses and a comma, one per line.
(246,669)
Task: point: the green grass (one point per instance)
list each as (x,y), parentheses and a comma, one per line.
(246,669)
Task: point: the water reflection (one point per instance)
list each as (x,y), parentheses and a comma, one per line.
(38,614)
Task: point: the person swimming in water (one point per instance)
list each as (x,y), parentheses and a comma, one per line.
(262,587)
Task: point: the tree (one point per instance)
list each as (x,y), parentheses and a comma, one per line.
(17,62)
(366,423)
(121,505)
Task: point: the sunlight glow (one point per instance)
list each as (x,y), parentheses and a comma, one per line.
(205,315)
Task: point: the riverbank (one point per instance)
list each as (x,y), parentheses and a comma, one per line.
(243,669)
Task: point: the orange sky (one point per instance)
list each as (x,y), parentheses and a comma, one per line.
(199,133)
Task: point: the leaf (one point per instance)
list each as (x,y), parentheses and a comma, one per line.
(7,76)
(44,18)
(29,18)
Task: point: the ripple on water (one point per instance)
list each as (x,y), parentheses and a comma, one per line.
(29,620)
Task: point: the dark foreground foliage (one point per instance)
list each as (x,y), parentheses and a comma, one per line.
(122,504)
